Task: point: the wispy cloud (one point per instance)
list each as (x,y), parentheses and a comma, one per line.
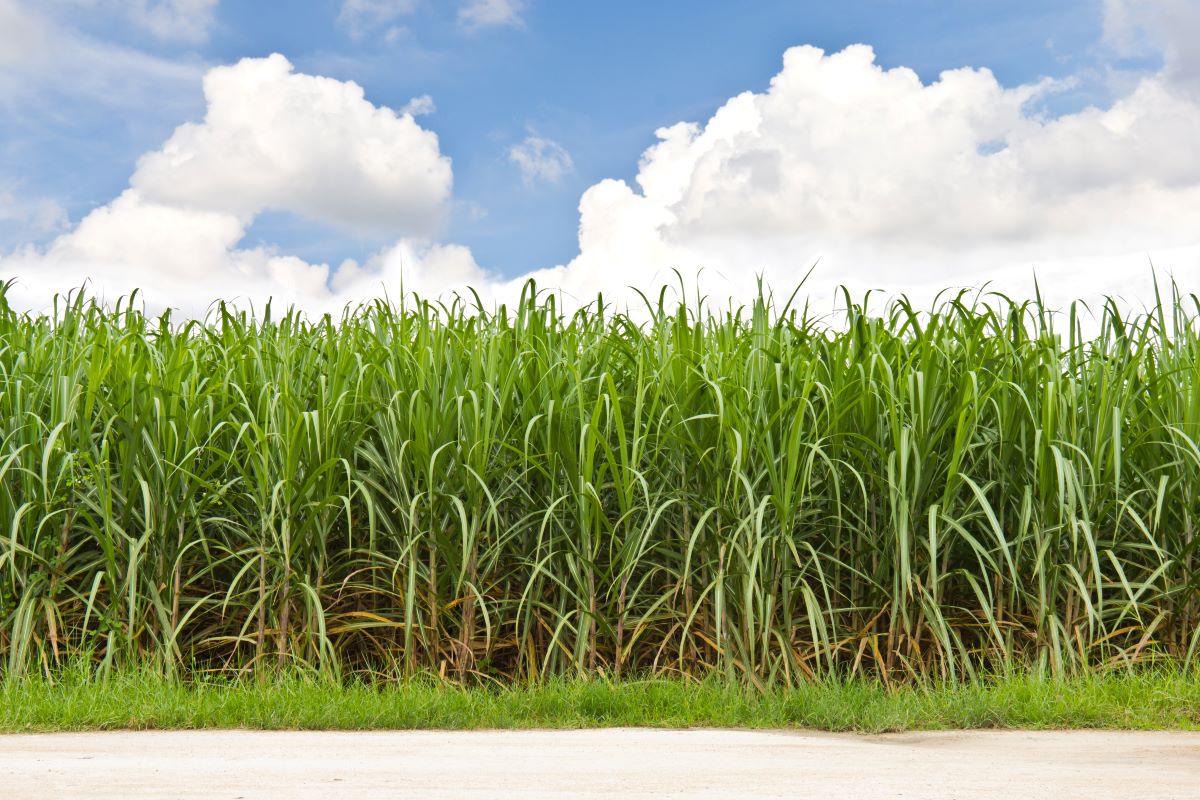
(1167,27)
(476,14)
(189,21)
(540,159)
(180,20)
(419,106)
(23,218)
(362,17)
(23,34)
(51,72)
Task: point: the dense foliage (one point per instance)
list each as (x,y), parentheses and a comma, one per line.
(521,493)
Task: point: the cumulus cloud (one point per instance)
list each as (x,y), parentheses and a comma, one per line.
(476,14)
(539,158)
(175,255)
(275,139)
(426,268)
(885,180)
(271,139)
(185,258)
(891,182)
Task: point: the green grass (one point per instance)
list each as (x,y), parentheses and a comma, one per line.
(756,495)
(143,699)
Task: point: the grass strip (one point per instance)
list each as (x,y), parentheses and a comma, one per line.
(139,699)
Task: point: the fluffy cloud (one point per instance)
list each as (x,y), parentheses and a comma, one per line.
(478,14)
(540,159)
(187,259)
(886,181)
(271,139)
(411,266)
(175,256)
(275,139)
(890,182)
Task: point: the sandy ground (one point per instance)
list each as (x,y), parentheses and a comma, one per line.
(627,763)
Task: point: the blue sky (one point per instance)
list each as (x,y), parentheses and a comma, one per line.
(594,79)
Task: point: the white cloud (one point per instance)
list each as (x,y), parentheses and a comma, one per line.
(360,17)
(1169,27)
(893,183)
(275,139)
(169,20)
(50,71)
(540,159)
(888,181)
(30,216)
(419,106)
(410,266)
(271,139)
(478,14)
(186,259)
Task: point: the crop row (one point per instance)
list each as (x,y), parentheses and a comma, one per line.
(518,492)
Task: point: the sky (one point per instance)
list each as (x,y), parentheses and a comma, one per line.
(321,153)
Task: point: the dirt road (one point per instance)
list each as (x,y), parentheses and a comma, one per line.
(626,763)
